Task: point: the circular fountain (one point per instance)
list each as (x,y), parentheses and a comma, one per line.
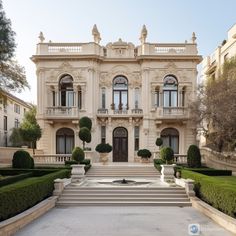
(124,182)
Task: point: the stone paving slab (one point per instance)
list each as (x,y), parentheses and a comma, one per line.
(121,221)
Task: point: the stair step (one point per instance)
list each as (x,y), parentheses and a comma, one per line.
(120,203)
(101,195)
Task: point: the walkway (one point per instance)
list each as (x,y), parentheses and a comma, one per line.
(121,221)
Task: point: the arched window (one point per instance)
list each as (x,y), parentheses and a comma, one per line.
(64,141)
(120,93)
(170,91)
(170,137)
(66,91)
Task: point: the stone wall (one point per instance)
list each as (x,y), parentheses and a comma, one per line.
(6,153)
(218,160)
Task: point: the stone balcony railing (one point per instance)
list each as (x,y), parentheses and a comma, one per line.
(62,112)
(171,113)
(52,158)
(93,49)
(124,112)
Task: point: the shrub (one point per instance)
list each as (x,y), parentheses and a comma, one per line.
(103,148)
(144,153)
(215,192)
(85,122)
(194,157)
(22,159)
(167,154)
(158,163)
(159,142)
(77,154)
(211,172)
(24,194)
(85,162)
(72,162)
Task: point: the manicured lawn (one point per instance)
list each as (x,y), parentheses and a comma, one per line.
(227,179)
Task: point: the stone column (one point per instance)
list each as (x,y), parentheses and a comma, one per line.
(83,95)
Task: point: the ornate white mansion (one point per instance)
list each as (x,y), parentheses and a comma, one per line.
(133,94)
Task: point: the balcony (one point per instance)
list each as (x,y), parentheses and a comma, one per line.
(171,113)
(120,113)
(62,113)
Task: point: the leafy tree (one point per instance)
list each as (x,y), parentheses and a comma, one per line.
(30,131)
(215,108)
(16,138)
(12,75)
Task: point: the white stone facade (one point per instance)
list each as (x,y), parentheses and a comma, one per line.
(12,110)
(142,89)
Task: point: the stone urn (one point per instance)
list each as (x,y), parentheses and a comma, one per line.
(77,173)
(104,157)
(167,173)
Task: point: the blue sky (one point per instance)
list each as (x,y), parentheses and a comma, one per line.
(72,21)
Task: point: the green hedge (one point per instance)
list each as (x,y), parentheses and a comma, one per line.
(22,195)
(15,178)
(85,162)
(207,171)
(218,193)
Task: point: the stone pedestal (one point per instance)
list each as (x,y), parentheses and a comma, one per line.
(77,173)
(167,173)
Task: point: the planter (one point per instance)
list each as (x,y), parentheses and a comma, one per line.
(77,173)
(145,160)
(104,157)
(167,173)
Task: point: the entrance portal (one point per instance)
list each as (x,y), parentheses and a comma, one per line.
(64,141)
(120,145)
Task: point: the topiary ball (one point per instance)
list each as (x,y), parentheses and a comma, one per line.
(22,160)
(78,154)
(159,142)
(167,154)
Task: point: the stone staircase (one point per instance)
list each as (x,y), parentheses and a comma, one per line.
(87,194)
(123,196)
(123,171)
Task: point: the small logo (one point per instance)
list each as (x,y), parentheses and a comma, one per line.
(194,229)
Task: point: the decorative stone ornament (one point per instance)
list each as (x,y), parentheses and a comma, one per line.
(96,34)
(167,173)
(77,173)
(41,37)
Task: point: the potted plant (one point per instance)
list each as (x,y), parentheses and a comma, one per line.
(167,170)
(103,149)
(145,155)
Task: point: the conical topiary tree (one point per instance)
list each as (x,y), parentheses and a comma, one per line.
(194,157)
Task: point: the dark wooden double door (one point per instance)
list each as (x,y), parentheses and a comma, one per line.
(120,145)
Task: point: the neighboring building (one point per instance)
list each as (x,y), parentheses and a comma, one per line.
(211,65)
(133,94)
(12,110)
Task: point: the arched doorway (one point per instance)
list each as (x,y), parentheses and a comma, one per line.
(120,145)
(64,141)
(170,137)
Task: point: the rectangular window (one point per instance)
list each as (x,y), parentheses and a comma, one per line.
(136,98)
(103,98)
(136,138)
(157,102)
(17,123)
(53,98)
(103,134)
(79,99)
(5,123)
(17,108)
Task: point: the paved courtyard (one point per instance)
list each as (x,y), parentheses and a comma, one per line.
(125,221)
